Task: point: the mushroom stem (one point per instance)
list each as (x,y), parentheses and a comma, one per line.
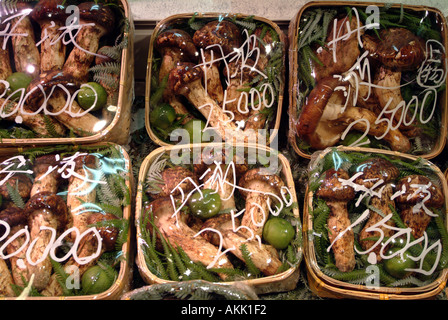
(212,77)
(179,234)
(26,54)
(5,67)
(44,180)
(36,122)
(336,196)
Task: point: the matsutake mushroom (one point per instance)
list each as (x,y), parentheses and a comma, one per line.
(48,210)
(416,196)
(377,177)
(343,48)
(19,181)
(216,39)
(263,256)
(5,66)
(26,54)
(51,16)
(35,121)
(185,79)
(81,191)
(396,48)
(261,189)
(17,221)
(46,179)
(336,195)
(97,20)
(174,45)
(174,229)
(49,91)
(327,113)
(173,182)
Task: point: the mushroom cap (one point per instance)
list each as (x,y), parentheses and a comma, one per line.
(108,234)
(175,180)
(97,13)
(375,169)
(50,10)
(82,162)
(53,204)
(415,189)
(260,179)
(46,82)
(24,186)
(332,188)
(178,39)
(221,32)
(236,70)
(182,75)
(13,216)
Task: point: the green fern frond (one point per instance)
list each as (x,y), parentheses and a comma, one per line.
(15,196)
(253,270)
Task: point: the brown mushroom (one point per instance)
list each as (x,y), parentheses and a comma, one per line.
(185,80)
(396,48)
(176,231)
(378,173)
(51,16)
(26,54)
(260,188)
(46,179)
(98,20)
(216,39)
(416,195)
(21,181)
(219,173)
(43,210)
(45,91)
(327,113)
(174,181)
(336,195)
(342,53)
(81,192)
(17,220)
(264,257)
(26,116)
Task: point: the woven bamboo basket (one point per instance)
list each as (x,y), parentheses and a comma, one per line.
(325,286)
(284,281)
(117,131)
(166,23)
(294,90)
(123,280)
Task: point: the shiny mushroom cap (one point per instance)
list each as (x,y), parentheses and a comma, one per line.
(97,13)
(109,234)
(175,181)
(415,189)
(178,39)
(43,163)
(52,204)
(332,189)
(49,10)
(374,170)
(182,75)
(221,33)
(261,180)
(46,82)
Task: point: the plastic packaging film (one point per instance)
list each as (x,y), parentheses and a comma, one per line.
(62,71)
(235,67)
(252,234)
(376,222)
(350,88)
(65,222)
